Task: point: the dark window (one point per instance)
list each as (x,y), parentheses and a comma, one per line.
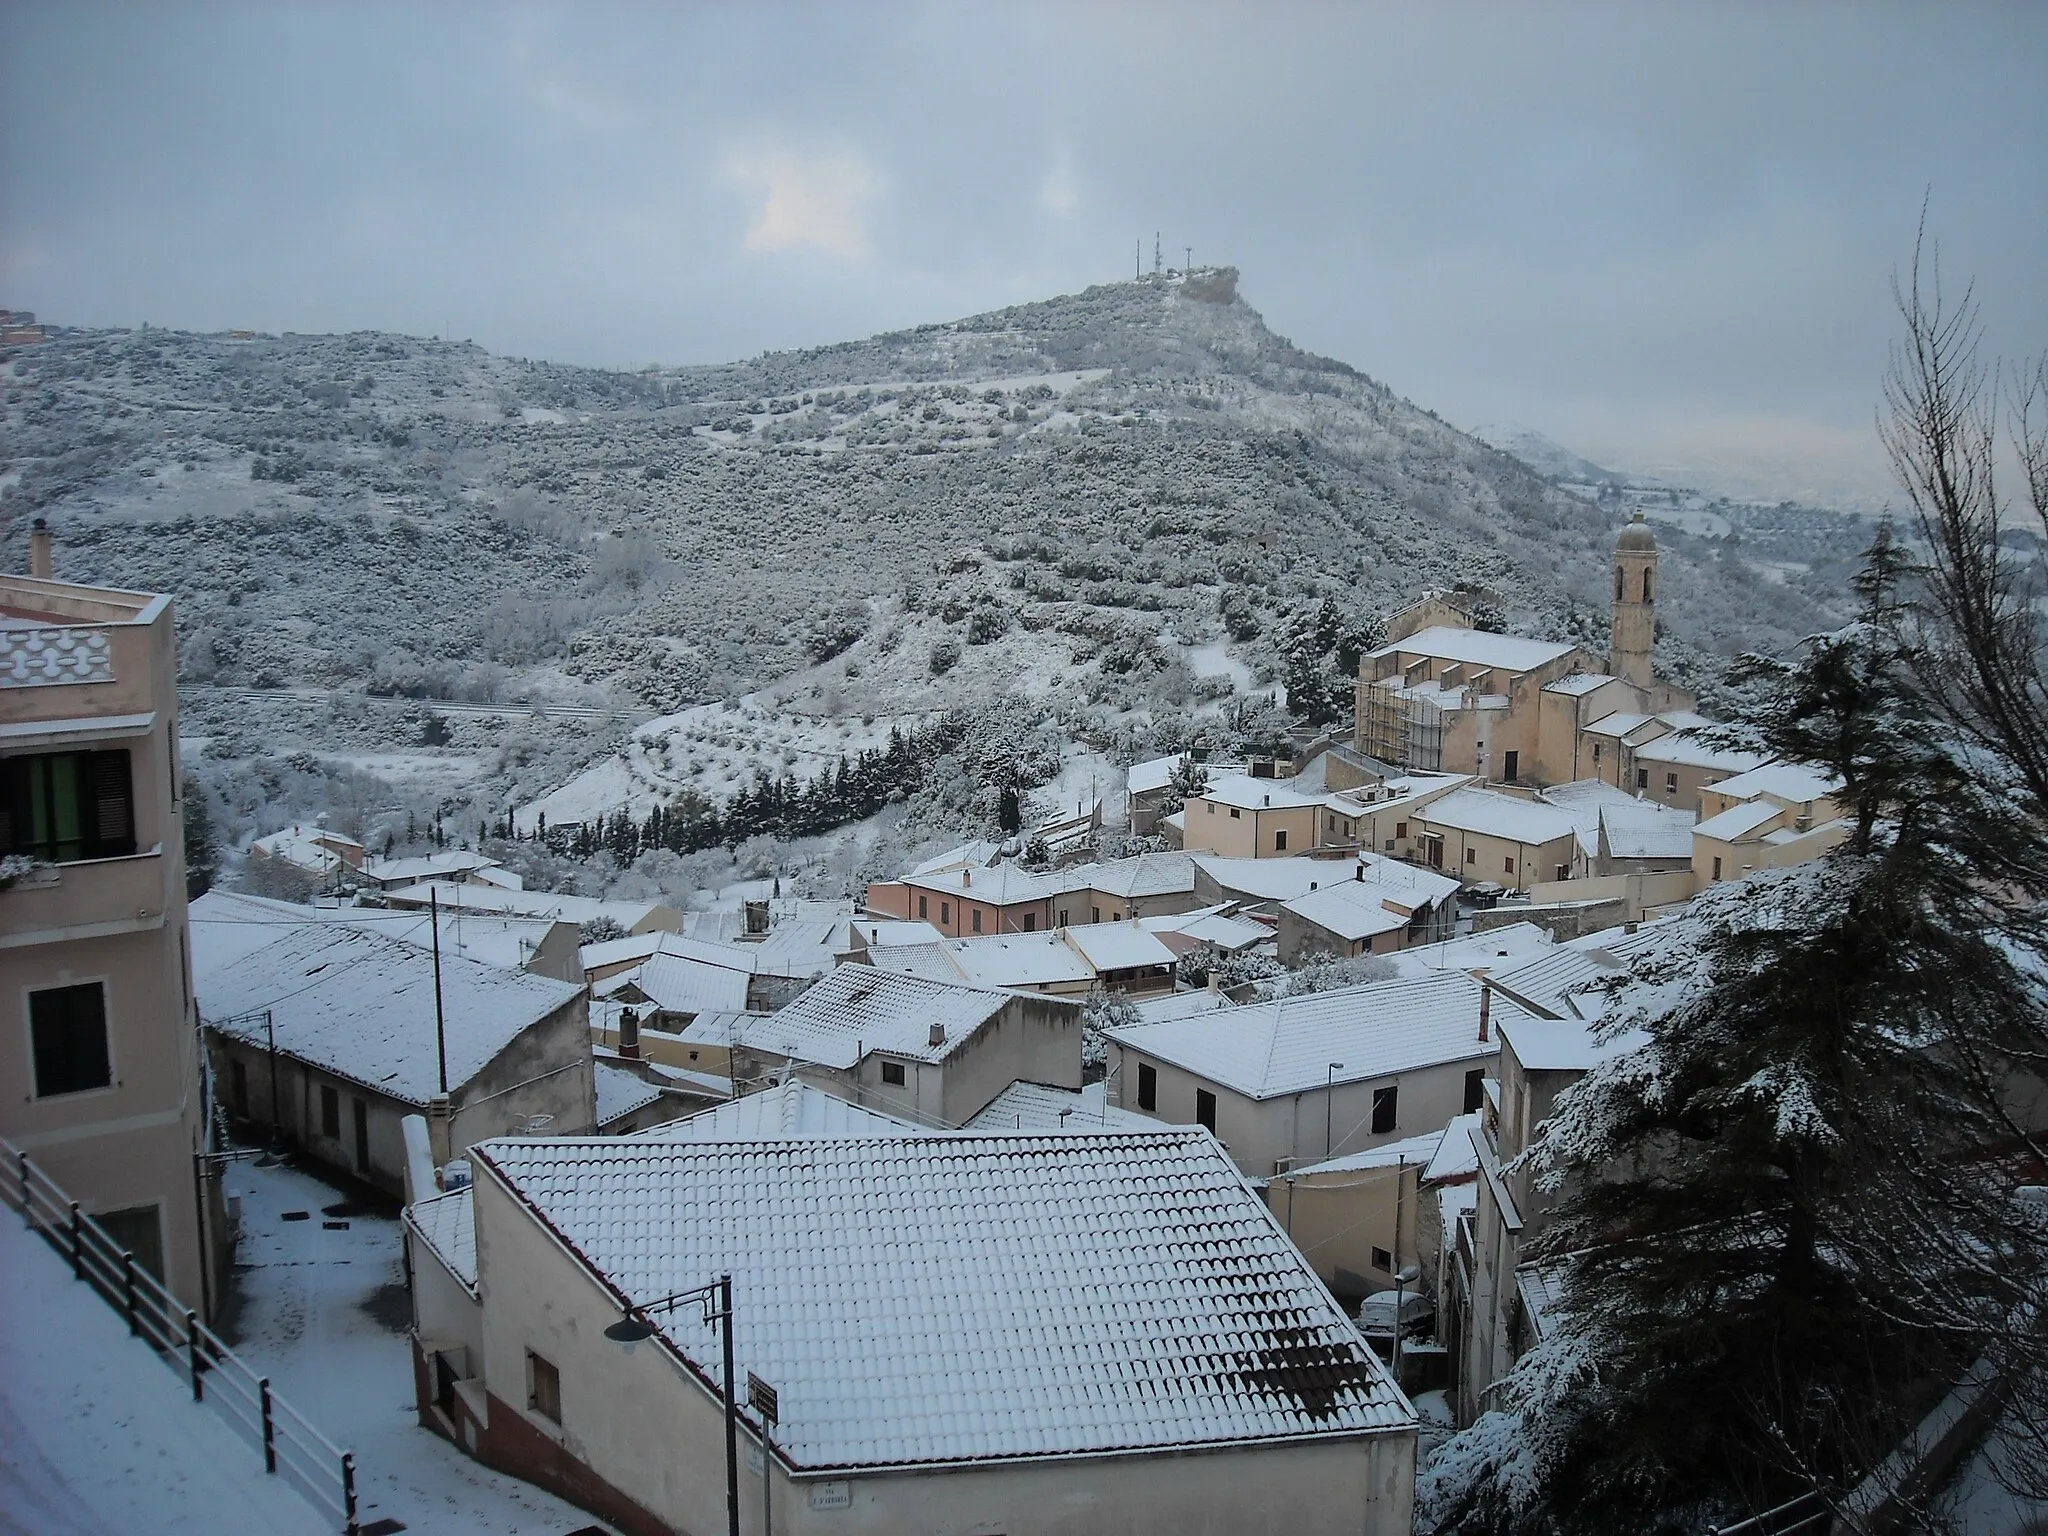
(1717,869)
(1148,1087)
(362,1118)
(1670,783)
(1509,865)
(543,1387)
(1063,917)
(1475,1090)
(1205,1109)
(59,807)
(1642,778)
(1617,583)
(1031,922)
(924,907)
(238,1078)
(1383,1260)
(1235,814)
(1384,1102)
(1646,586)
(892,1073)
(946,912)
(976,920)
(137,1230)
(1471,855)
(1400,831)
(1514,764)
(1596,752)
(1279,842)
(330,1114)
(1095,914)
(68,1029)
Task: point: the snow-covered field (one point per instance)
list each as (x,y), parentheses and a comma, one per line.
(324,1313)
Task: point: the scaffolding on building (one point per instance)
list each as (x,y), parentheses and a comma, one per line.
(1397,726)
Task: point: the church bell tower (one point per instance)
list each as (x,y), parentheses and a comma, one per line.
(1634,632)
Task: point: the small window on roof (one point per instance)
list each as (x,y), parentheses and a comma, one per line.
(892,1073)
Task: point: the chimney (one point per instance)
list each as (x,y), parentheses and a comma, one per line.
(39,549)
(1268,799)
(1485,1011)
(938,1035)
(1358,874)
(1215,984)
(966,877)
(629,1034)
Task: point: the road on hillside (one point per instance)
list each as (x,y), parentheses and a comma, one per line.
(438,706)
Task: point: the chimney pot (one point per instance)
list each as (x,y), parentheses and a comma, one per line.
(1485,1011)
(629,1034)
(967,877)
(39,561)
(938,1035)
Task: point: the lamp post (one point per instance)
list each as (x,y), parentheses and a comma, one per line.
(716,1300)
(1401,1279)
(1330,1105)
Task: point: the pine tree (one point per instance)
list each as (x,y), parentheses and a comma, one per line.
(202,854)
(1009,810)
(1774,1223)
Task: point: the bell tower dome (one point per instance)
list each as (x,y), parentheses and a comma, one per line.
(1634,632)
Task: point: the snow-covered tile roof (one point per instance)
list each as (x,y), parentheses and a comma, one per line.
(1397,793)
(1477,648)
(1478,951)
(1456,1157)
(1687,749)
(1351,909)
(997,960)
(1585,794)
(633,947)
(309,848)
(1646,830)
(1146,874)
(790,1108)
(1489,814)
(1041,1107)
(361,1006)
(1180,1005)
(1263,1050)
(1579,683)
(472,897)
(1738,821)
(425,866)
(447,1225)
(798,947)
(999,885)
(1250,794)
(1153,773)
(620,1091)
(1794,783)
(1117,946)
(975,855)
(1618,724)
(973,1298)
(1550,981)
(864,1008)
(677,985)
(1208,925)
(1562,1045)
(1272,879)
(1415,1151)
(502,941)
(1827,831)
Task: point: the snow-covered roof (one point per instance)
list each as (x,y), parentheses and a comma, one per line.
(1562,1045)
(1351,909)
(1477,648)
(1579,684)
(1247,793)
(1207,925)
(1793,783)
(1041,1107)
(1263,1050)
(310,848)
(798,947)
(1551,982)
(361,1006)
(1586,795)
(473,897)
(1154,773)
(425,866)
(447,1225)
(677,985)
(974,1298)
(1179,1005)
(1620,724)
(620,1091)
(1489,814)
(1646,830)
(997,960)
(1117,946)
(861,1008)
(1477,951)
(1827,831)
(1738,821)
(1456,1157)
(975,855)
(884,933)
(1000,885)
(1145,874)
(1272,879)
(633,947)
(790,1108)
(1685,748)
(234,922)
(1415,1151)
(1395,794)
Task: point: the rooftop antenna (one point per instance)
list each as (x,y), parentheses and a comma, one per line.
(1191,260)
(1155,253)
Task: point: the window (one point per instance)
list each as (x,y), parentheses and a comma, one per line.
(1475,1090)
(1646,586)
(1400,830)
(1617,583)
(1209,806)
(1095,914)
(1280,842)
(945,912)
(1514,762)
(975,921)
(1564,872)
(1390,845)
(1383,1260)
(1509,864)
(238,1079)
(1031,922)
(68,1034)
(330,1114)
(1471,855)
(1717,869)
(1642,778)
(1236,814)
(1063,917)
(59,807)
(1148,1087)
(1205,1109)
(543,1387)
(924,908)
(1670,783)
(892,1073)
(1385,1102)
(1115,916)
(1596,754)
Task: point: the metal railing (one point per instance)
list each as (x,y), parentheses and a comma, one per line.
(1808,1512)
(290,1445)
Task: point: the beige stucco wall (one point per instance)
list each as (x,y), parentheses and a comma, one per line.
(1338,1219)
(1250,833)
(1476,856)
(121,921)
(654,1431)
(1305,1127)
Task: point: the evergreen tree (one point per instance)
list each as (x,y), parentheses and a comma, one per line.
(202,854)
(1189,779)
(1774,1224)
(1009,811)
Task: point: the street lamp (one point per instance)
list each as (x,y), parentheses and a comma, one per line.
(1330,1104)
(1401,1278)
(716,1301)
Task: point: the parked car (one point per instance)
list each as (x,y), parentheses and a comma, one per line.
(1376,1312)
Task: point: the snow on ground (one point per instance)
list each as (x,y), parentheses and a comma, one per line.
(324,1314)
(442,772)
(1084,778)
(97,1434)
(1215,660)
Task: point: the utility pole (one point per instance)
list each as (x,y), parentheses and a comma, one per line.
(440,1020)
(1137,260)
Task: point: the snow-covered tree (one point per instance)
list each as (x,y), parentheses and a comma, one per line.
(1189,779)
(1775,1224)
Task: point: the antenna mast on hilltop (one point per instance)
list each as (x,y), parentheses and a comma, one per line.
(1155,253)
(1184,271)
(1137,259)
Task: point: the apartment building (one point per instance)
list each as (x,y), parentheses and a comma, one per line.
(100,1081)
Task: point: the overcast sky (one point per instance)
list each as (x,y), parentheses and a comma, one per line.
(1662,234)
